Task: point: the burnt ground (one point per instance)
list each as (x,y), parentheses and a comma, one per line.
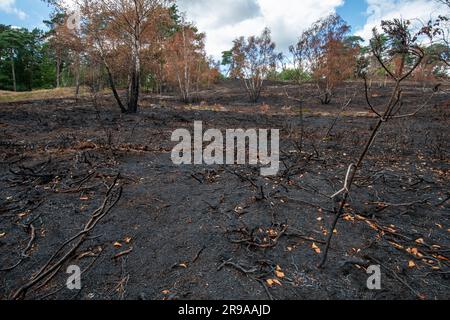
(198,232)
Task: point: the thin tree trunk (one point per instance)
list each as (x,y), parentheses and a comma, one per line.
(58,71)
(110,77)
(77,77)
(135,78)
(13,69)
(114,90)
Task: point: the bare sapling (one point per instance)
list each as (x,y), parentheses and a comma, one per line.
(401,45)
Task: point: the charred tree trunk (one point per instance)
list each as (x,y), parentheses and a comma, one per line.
(135,77)
(114,90)
(110,77)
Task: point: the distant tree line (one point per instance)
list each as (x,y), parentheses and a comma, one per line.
(327,55)
(26,60)
(131,46)
(125,45)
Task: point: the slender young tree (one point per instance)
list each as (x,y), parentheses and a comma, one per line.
(187,66)
(401,42)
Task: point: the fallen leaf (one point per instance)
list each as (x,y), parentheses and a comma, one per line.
(117,244)
(277,282)
(411,264)
(2,234)
(348,217)
(239,210)
(289,249)
(23,214)
(272,282)
(316,248)
(128,240)
(272,233)
(280,274)
(415,252)
(165,292)
(183,265)
(441,257)
(420,241)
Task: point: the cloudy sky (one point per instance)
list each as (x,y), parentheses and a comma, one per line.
(224,20)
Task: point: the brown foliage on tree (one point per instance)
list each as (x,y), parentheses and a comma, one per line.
(119,29)
(252,60)
(321,50)
(187,66)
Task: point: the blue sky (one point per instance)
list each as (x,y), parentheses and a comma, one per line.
(35,10)
(353,11)
(227,19)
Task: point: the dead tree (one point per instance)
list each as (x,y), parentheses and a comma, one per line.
(403,45)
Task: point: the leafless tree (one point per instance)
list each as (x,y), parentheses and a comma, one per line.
(401,44)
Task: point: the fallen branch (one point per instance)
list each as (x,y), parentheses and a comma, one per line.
(96,217)
(123,253)
(397,277)
(24,254)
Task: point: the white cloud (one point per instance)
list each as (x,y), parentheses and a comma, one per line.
(379,10)
(225,20)
(9,6)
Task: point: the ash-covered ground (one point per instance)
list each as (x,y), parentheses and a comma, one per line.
(223,232)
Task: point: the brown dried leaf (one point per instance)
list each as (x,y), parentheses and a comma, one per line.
(272,282)
(316,248)
(280,274)
(420,241)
